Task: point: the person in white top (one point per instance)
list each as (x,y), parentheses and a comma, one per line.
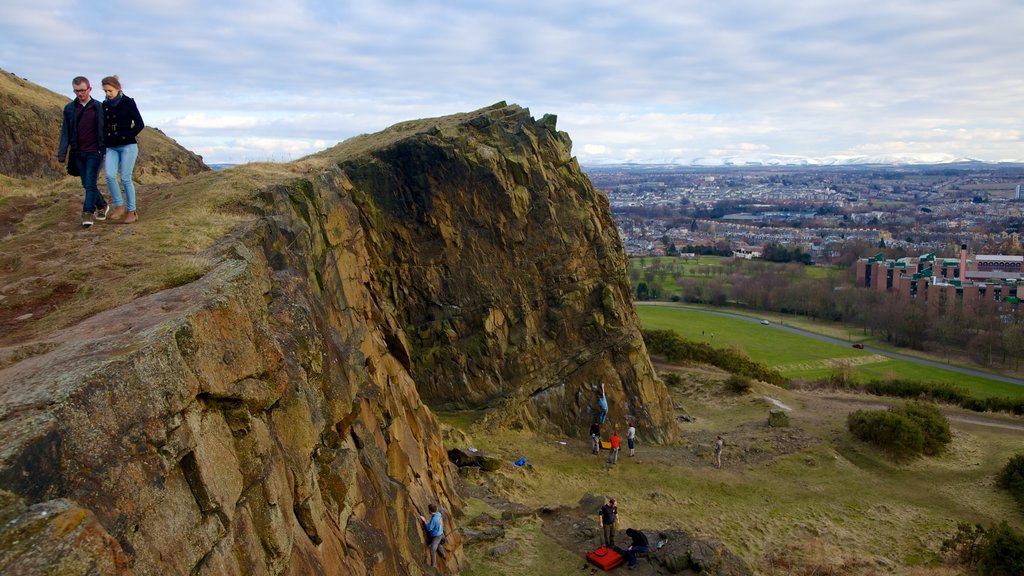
(631,439)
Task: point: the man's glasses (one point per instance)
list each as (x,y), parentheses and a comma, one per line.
(82,90)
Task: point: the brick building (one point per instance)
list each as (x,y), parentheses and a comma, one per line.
(945,283)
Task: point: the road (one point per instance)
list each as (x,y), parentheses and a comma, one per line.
(922,361)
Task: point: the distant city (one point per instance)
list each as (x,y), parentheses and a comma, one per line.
(830,212)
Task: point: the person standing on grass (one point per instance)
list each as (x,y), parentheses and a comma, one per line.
(607,518)
(595,437)
(631,439)
(613,454)
(81,135)
(719,445)
(122,123)
(435,530)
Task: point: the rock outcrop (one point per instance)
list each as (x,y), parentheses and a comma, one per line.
(30,118)
(267,418)
(506,271)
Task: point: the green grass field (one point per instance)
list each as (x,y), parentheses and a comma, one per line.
(801,357)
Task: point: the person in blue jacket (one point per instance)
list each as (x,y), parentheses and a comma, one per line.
(435,529)
(602,403)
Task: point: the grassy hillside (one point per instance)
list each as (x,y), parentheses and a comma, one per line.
(802,500)
(75,272)
(30,119)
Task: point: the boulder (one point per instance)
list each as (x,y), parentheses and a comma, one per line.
(465,458)
(778,418)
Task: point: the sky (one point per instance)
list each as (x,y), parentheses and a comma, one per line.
(630,81)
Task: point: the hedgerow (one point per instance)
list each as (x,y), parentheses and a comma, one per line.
(676,348)
(944,393)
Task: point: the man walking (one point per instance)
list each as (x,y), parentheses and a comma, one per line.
(81,132)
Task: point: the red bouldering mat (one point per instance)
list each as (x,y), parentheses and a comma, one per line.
(605,558)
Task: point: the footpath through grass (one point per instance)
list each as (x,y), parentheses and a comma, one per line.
(802,357)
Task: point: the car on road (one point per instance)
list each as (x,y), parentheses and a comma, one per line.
(765,322)
(858,346)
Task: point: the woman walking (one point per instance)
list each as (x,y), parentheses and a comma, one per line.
(122,123)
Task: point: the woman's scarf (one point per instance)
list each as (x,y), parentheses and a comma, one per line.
(117,100)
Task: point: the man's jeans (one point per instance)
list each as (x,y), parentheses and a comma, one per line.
(120,162)
(89,170)
(630,554)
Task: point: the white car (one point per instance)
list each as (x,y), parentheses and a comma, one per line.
(765,322)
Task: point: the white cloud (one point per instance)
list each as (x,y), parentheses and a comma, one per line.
(655,80)
(202,121)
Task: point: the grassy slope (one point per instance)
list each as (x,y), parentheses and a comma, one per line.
(801,357)
(832,504)
(112,263)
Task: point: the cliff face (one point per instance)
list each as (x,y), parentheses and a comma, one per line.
(505,268)
(266,418)
(252,422)
(30,118)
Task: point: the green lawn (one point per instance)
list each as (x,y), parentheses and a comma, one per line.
(798,356)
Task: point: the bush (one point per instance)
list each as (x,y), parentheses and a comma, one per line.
(672,378)
(933,423)
(1011,478)
(739,384)
(1002,552)
(890,431)
(906,431)
(998,551)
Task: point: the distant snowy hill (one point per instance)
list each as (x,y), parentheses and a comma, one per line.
(785,160)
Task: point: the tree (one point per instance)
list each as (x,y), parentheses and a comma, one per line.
(642,291)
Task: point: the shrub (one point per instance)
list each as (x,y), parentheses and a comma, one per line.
(1011,478)
(933,423)
(905,431)
(998,551)
(1002,552)
(893,432)
(738,384)
(672,378)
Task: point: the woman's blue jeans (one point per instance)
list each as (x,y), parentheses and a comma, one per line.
(119,165)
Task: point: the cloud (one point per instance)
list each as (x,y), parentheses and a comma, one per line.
(202,121)
(631,80)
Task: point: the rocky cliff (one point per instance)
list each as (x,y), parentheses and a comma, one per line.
(30,118)
(506,272)
(267,417)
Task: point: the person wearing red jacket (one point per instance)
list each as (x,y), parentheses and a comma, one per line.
(613,454)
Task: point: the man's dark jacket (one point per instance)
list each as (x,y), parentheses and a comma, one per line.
(69,128)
